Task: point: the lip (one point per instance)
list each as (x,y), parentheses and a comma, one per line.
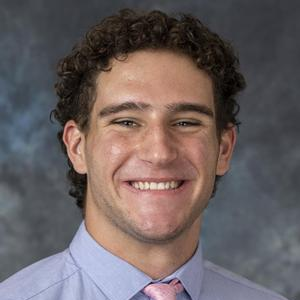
(180,189)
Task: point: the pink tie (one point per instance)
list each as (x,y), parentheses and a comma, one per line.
(163,291)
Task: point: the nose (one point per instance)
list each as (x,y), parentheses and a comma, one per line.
(158,147)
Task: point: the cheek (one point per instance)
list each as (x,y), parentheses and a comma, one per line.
(202,150)
(108,151)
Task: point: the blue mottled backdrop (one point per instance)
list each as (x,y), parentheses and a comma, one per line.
(253,224)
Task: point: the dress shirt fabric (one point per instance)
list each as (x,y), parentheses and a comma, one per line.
(86,271)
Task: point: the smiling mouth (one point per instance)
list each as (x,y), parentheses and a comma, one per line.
(156,186)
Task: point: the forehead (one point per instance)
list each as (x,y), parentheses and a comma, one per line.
(156,77)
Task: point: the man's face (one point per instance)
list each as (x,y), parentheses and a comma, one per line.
(151,153)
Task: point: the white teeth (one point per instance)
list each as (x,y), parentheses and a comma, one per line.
(136,185)
(160,186)
(155,185)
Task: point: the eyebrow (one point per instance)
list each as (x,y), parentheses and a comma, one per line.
(141,106)
(113,109)
(190,107)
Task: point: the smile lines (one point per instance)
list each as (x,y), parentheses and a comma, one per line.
(145,185)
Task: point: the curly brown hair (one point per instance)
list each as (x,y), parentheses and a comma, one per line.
(129,31)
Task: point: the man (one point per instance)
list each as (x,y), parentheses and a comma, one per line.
(148,113)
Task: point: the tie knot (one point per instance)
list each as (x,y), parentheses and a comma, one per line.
(163,291)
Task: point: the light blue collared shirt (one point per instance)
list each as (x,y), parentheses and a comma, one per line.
(86,271)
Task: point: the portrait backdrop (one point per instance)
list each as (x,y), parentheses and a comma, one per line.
(252,225)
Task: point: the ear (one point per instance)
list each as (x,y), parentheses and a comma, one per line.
(227,143)
(74,141)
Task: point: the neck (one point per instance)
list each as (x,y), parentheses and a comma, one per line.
(157,260)
(160,260)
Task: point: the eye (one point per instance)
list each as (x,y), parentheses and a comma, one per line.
(125,123)
(186,123)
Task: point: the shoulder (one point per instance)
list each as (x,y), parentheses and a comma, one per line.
(227,285)
(48,273)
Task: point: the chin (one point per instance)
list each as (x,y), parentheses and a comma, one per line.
(157,235)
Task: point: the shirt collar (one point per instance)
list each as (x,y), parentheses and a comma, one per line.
(107,270)
(191,274)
